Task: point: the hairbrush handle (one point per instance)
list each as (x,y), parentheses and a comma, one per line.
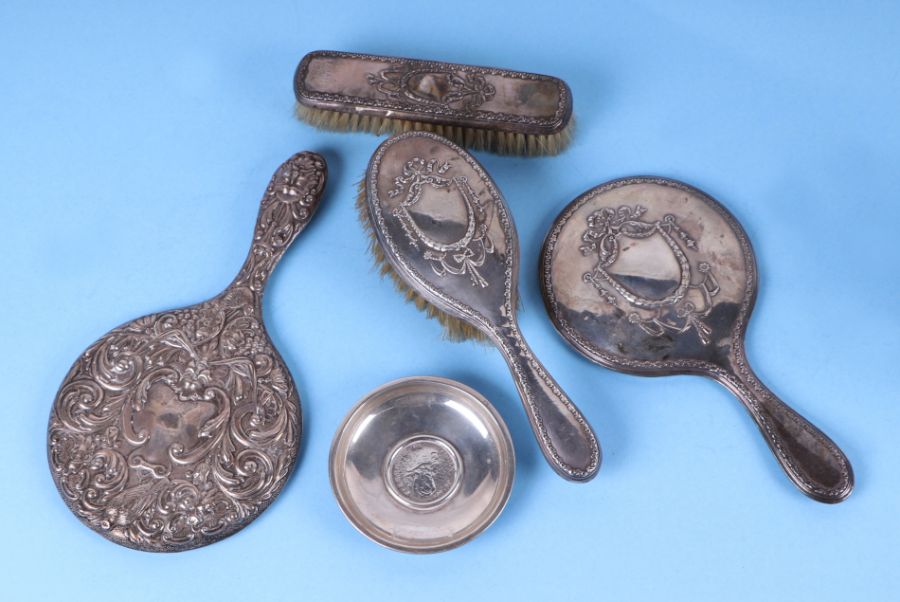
(815,464)
(288,204)
(566,439)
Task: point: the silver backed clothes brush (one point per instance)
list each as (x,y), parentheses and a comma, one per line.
(179,428)
(485,108)
(444,233)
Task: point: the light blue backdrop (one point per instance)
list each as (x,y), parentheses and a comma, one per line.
(135,142)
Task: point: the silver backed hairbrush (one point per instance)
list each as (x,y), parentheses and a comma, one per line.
(445,232)
(498,110)
(179,428)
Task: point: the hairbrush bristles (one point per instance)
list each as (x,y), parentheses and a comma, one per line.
(501,143)
(454,328)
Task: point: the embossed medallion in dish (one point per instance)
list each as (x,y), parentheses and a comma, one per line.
(423,471)
(422,464)
(179,428)
(652,276)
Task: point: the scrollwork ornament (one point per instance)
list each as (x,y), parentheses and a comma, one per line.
(442,87)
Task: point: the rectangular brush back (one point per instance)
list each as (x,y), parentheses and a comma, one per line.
(433,92)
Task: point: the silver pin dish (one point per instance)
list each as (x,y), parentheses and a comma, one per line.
(422,464)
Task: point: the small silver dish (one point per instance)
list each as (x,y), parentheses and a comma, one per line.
(422,464)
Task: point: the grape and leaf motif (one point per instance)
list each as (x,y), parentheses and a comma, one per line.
(452,89)
(677,301)
(178,428)
(462,256)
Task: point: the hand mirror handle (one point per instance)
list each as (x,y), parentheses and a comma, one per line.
(289,203)
(809,458)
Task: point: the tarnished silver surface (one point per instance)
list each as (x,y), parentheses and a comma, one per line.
(446,230)
(652,276)
(422,464)
(179,428)
(433,92)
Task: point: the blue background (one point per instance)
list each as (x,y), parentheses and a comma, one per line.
(135,143)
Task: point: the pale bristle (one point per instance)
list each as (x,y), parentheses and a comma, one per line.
(454,328)
(503,143)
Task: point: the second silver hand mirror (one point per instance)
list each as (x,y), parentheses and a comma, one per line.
(652,276)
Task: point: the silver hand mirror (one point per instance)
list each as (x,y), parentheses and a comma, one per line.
(651,276)
(179,428)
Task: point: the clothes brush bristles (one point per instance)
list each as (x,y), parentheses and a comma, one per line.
(502,143)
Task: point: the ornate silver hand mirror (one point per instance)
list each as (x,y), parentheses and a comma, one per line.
(652,276)
(177,429)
